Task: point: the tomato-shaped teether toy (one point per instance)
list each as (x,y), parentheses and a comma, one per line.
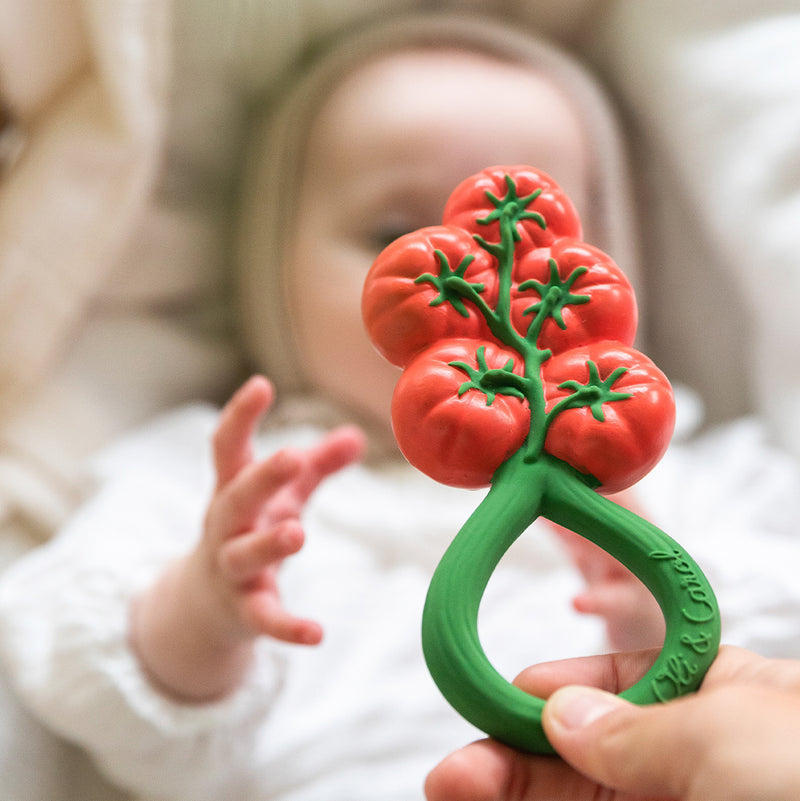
(516,340)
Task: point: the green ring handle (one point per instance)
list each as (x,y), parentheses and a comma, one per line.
(522,491)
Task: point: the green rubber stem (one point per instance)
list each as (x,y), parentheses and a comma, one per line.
(522,491)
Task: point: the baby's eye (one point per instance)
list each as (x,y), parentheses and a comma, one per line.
(400,215)
(11,138)
(383,235)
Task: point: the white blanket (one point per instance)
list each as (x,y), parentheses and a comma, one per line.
(712,92)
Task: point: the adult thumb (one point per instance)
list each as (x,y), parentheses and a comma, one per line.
(620,745)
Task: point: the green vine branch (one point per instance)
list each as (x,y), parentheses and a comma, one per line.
(509,210)
(453,288)
(593,394)
(555,295)
(492,381)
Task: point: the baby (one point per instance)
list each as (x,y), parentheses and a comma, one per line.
(163,637)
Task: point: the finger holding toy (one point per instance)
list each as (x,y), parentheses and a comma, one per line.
(733,739)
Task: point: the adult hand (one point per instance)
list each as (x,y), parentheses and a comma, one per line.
(736,739)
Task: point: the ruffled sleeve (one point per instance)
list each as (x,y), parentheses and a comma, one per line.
(64,629)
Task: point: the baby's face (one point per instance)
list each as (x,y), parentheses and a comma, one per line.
(385,151)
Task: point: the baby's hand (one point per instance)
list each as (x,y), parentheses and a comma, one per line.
(253,520)
(193,630)
(632,616)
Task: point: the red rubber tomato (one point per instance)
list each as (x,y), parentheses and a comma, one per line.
(458,440)
(594,299)
(635,431)
(469,203)
(403,315)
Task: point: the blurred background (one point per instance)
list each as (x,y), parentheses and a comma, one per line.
(122,149)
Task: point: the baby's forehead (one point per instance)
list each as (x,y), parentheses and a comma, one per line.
(417,112)
(416,79)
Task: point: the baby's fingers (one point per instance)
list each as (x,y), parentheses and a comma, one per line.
(236,508)
(232,444)
(245,557)
(632,615)
(336,450)
(263,612)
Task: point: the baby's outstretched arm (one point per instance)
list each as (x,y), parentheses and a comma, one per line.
(194,629)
